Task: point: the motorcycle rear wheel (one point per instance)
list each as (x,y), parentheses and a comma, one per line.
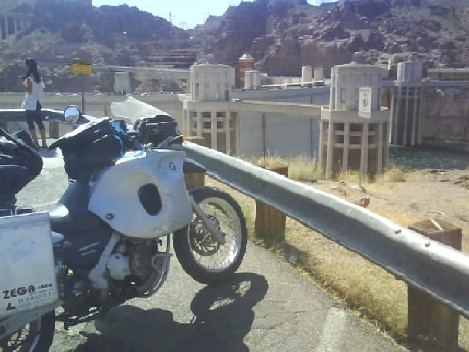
(37,336)
(200,254)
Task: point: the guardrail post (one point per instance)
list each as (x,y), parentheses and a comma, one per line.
(270,223)
(54,131)
(430,321)
(195,179)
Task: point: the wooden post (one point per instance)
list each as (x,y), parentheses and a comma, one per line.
(270,223)
(430,321)
(195,179)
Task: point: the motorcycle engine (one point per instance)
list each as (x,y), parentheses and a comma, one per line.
(135,258)
(118,266)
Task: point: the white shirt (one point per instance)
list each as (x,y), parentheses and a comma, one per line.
(36,95)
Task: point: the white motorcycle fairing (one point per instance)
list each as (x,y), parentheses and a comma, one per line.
(115,194)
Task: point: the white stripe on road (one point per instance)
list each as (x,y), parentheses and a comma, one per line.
(332,331)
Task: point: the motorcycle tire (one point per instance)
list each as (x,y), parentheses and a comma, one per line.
(198,250)
(37,336)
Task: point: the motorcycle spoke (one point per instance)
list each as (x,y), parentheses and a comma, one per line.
(207,251)
(21,340)
(212,258)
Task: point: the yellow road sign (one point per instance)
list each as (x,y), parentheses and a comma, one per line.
(83,67)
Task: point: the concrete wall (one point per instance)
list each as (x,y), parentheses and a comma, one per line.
(98,105)
(278,135)
(313,95)
(284,133)
(271,122)
(211,82)
(446,113)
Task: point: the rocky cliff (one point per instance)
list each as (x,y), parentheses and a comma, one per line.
(282,36)
(63,30)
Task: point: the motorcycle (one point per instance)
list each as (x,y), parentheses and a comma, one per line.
(111,230)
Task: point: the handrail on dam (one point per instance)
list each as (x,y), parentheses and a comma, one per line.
(438,270)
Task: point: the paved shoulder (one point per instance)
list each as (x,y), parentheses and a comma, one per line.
(268,306)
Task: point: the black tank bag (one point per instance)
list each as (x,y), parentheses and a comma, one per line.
(90,147)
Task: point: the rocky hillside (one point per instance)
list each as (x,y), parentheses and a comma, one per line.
(282,36)
(64,30)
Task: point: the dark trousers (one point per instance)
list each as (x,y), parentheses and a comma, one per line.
(35,116)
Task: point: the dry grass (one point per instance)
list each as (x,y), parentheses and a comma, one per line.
(349,176)
(362,286)
(395,174)
(300,168)
(305,169)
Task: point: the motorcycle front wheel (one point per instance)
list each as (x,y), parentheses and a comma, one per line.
(201,255)
(37,336)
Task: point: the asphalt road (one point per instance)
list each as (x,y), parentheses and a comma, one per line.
(267,307)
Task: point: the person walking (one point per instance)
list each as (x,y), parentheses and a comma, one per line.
(34,86)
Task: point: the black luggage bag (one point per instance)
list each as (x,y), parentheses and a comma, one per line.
(19,165)
(90,147)
(155,129)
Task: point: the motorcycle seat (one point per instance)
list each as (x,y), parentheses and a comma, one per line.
(65,222)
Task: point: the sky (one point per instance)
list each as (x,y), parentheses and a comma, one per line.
(183,13)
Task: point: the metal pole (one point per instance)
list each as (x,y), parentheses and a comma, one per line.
(264,137)
(82,93)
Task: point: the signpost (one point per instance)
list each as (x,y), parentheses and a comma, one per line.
(364,104)
(82,68)
(364,110)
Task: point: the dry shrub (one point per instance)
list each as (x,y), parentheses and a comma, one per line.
(349,176)
(300,168)
(464,333)
(303,168)
(395,174)
(271,162)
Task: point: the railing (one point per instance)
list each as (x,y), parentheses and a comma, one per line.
(436,269)
(18,115)
(439,270)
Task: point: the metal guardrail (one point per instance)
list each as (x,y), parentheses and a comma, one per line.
(18,115)
(439,270)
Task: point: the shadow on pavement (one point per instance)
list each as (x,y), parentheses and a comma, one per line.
(223,316)
(46,153)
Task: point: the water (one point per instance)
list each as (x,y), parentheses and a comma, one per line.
(431,155)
